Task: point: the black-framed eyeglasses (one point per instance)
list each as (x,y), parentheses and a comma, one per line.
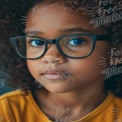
(74,46)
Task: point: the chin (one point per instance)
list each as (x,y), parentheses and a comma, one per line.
(57,89)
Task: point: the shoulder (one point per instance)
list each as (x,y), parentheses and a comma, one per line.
(12,104)
(117,104)
(17,94)
(118,101)
(10,94)
(16,99)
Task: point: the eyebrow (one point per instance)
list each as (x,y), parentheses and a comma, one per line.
(74,29)
(32,32)
(64,30)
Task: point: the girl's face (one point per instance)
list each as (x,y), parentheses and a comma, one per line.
(54,71)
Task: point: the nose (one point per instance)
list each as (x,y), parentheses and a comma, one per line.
(53,56)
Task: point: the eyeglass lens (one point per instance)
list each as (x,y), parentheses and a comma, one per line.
(73,46)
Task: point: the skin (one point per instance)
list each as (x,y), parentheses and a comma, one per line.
(85,80)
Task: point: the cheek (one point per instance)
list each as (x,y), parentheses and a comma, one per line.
(34,67)
(87,68)
(87,71)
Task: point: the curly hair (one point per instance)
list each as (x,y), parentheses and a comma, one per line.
(10,25)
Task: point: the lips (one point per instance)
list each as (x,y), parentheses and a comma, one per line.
(52,72)
(55,74)
(54,77)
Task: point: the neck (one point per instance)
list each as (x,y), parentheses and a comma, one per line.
(71,103)
(82,98)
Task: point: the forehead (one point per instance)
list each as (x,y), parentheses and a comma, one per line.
(56,16)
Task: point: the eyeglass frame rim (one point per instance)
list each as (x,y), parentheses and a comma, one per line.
(56,42)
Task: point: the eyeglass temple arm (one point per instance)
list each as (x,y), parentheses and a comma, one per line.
(103,37)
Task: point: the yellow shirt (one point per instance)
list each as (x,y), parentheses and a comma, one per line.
(15,107)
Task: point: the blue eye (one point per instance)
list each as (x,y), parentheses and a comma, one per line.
(36,43)
(76,41)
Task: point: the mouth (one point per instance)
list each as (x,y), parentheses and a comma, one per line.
(56,75)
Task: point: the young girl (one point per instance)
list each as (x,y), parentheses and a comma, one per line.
(63,54)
